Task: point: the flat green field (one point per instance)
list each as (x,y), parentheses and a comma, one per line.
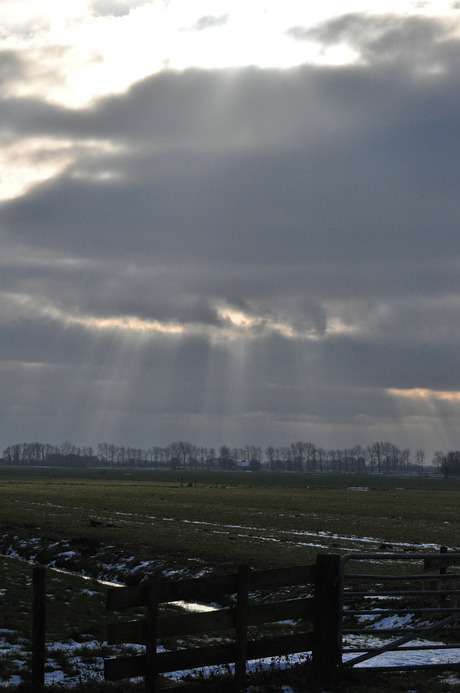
(124,526)
(189,521)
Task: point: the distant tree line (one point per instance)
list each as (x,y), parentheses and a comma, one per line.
(449,463)
(379,457)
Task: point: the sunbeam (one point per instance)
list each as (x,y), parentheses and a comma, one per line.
(429,418)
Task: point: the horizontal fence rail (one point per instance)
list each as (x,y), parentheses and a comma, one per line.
(344,611)
(233,621)
(400,608)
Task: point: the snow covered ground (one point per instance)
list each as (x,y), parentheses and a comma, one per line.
(85,659)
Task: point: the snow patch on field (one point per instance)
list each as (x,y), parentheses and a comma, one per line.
(113,569)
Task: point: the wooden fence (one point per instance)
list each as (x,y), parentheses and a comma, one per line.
(38,628)
(318,612)
(395,611)
(328,611)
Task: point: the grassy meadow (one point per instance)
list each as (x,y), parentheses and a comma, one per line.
(125,525)
(191,520)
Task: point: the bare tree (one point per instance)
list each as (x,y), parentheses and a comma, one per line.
(270,454)
(405,457)
(437,460)
(298,454)
(420,457)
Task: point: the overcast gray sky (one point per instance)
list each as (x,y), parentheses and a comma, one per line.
(230,225)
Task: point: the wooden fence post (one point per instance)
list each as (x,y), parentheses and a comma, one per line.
(443,568)
(443,571)
(327,645)
(242,605)
(151,645)
(38,628)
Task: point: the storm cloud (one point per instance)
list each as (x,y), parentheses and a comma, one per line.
(239,255)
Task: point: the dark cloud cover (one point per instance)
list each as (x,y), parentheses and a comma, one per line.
(242,255)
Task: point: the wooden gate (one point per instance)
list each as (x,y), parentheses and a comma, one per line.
(404,604)
(235,620)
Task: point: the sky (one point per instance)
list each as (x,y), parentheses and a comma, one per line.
(230,223)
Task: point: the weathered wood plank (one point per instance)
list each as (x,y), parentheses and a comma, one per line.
(127,667)
(207,622)
(327,649)
(181,624)
(119,598)
(282,577)
(195,658)
(38,628)
(226,654)
(208,589)
(178,660)
(203,622)
(198,589)
(241,623)
(281,611)
(127,632)
(152,634)
(438,562)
